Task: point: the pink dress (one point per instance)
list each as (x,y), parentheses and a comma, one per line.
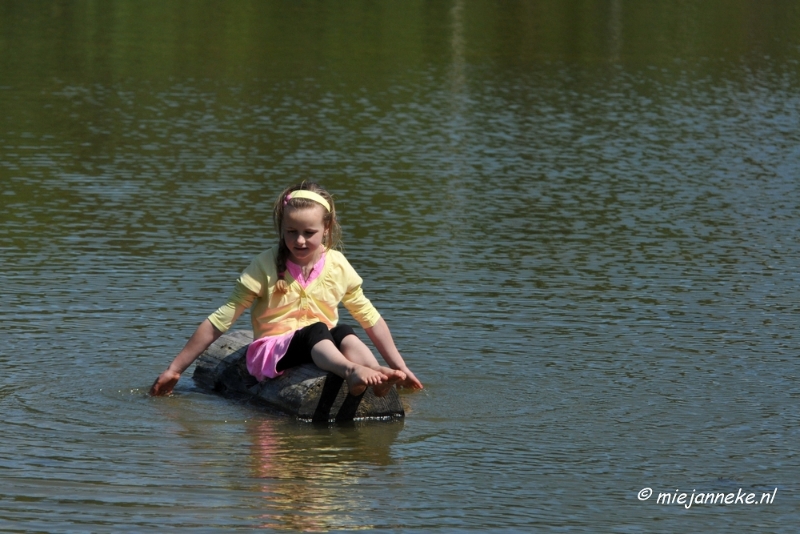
(264,354)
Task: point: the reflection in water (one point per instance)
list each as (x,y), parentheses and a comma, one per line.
(457,45)
(313,475)
(615,30)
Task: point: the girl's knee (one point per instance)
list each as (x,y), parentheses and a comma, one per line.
(317,332)
(349,342)
(342,333)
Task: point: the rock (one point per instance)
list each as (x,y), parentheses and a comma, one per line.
(306,391)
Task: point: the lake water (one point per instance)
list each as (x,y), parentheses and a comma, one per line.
(579,219)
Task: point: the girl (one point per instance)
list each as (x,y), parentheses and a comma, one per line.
(294,289)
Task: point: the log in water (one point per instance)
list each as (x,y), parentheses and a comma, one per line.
(306,391)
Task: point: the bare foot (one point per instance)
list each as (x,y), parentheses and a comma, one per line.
(359,378)
(393,377)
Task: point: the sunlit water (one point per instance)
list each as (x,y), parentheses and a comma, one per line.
(590,264)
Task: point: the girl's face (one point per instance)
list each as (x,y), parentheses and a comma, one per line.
(303,232)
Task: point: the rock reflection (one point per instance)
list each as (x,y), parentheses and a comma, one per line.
(310,474)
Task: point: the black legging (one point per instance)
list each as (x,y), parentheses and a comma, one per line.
(299,351)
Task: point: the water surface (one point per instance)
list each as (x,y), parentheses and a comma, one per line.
(578,219)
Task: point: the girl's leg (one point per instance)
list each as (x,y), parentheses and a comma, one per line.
(315,343)
(341,352)
(354,350)
(359,377)
(352,347)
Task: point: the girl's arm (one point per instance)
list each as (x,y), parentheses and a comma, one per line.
(382,339)
(204,336)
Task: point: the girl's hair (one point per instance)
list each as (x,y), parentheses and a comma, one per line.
(333,238)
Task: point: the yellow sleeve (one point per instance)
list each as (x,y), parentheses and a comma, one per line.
(252,283)
(241,299)
(354,300)
(361,308)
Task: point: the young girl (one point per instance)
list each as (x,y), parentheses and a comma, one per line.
(294,289)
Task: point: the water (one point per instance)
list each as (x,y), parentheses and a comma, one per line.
(578,219)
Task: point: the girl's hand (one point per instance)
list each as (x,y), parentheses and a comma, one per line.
(410,381)
(164,383)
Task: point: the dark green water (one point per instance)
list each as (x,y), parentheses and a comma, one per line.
(578,218)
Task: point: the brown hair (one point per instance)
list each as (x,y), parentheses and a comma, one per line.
(332,240)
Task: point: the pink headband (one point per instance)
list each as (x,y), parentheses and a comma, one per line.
(310,195)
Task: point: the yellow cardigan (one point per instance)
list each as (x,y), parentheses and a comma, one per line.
(274,314)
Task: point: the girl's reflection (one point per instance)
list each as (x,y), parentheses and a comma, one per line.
(310,474)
